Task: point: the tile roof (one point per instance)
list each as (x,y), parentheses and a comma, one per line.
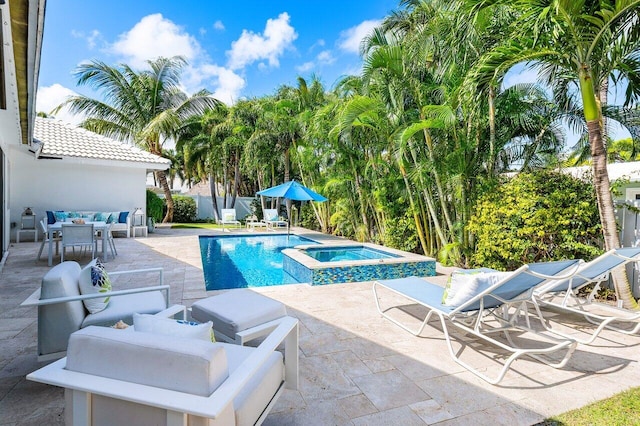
(60,139)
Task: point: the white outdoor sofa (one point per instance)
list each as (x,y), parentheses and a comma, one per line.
(128,377)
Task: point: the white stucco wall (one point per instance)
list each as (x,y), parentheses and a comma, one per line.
(71,185)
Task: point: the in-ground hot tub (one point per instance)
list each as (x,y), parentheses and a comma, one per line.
(329,264)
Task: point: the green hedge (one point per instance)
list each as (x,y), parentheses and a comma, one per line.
(155,206)
(184,209)
(536,217)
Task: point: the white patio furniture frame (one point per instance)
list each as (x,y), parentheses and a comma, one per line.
(34,300)
(46,236)
(212,410)
(224,218)
(562,294)
(272,224)
(55,228)
(477,315)
(253,223)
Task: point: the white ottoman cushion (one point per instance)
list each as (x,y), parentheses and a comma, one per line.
(237,310)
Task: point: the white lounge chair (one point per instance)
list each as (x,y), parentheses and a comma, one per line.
(122,377)
(563,294)
(488,306)
(61,310)
(271,218)
(228,217)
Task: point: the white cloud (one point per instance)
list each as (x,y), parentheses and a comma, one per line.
(152,37)
(325,57)
(251,47)
(91,39)
(202,31)
(218,25)
(229,84)
(351,38)
(51,96)
(307,66)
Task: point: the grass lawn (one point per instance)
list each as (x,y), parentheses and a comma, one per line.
(196,225)
(620,410)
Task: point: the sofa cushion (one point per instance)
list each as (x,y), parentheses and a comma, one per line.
(184,365)
(121,308)
(122,217)
(95,279)
(60,215)
(170,327)
(51,218)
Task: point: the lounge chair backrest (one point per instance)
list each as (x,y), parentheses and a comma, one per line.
(271,214)
(57,322)
(228,214)
(593,270)
(522,280)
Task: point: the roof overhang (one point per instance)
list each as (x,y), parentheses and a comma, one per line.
(27,25)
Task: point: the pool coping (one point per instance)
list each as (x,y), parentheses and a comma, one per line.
(296,253)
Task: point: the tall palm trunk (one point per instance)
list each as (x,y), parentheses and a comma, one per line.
(214,196)
(162,179)
(601,182)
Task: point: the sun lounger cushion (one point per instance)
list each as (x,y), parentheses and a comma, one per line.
(184,365)
(170,327)
(464,286)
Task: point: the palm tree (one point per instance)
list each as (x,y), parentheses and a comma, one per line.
(146,107)
(589,43)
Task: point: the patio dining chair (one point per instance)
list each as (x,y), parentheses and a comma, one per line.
(45,238)
(487,309)
(77,235)
(565,295)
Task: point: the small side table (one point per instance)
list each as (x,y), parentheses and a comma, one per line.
(27,224)
(144,231)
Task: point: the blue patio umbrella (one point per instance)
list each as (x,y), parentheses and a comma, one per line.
(293,191)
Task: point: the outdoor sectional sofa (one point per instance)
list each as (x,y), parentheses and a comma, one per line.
(121,219)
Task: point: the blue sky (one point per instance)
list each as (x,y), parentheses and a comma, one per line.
(234,49)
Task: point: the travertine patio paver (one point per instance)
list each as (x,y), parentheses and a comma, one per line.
(356,368)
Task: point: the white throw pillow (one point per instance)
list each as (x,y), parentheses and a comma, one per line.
(170,327)
(465,286)
(94,279)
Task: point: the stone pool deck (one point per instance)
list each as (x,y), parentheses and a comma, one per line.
(355,367)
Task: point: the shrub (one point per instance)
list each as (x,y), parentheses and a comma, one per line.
(184,209)
(536,217)
(400,233)
(155,206)
(308,217)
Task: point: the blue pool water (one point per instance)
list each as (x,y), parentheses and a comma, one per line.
(247,261)
(335,254)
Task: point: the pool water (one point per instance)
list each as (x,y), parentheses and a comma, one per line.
(246,261)
(335,254)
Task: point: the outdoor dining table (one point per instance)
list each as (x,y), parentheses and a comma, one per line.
(57,227)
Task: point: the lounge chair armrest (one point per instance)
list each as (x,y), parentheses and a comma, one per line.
(211,407)
(172,311)
(34,299)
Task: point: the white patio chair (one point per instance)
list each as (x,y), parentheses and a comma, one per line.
(272,219)
(563,295)
(76,235)
(110,240)
(61,308)
(228,217)
(45,238)
(488,311)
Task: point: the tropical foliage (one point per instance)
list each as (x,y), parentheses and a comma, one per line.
(410,151)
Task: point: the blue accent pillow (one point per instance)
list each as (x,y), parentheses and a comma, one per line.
(60,215)
(123,217)
(51,218)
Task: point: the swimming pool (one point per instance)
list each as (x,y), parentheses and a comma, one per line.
(334,254)
(246,261)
